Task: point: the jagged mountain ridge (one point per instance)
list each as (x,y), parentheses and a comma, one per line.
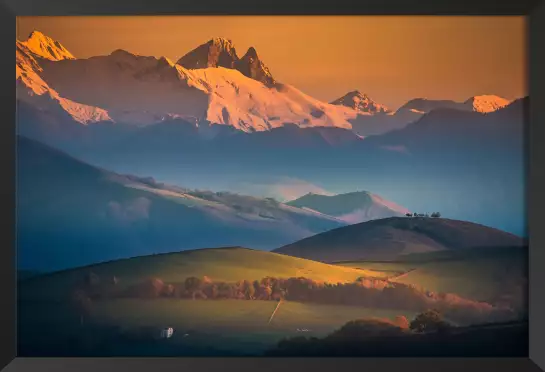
(128,88)
(221,52)
(214,87)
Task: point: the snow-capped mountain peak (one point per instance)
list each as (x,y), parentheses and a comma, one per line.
(127,88)
(486,103)
(45,47)
(360,102)
(210,84)
(33,89)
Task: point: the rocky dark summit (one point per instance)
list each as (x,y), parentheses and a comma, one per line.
(220,52)
(251,66)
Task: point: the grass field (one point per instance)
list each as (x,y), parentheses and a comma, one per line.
(223,324)
(231,324)
(222,264)
(235,325)
(480,274)
(382,270)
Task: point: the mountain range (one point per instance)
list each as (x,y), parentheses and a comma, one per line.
(209,85)
(475,159)
(127,88)
(384,120)
(214,120)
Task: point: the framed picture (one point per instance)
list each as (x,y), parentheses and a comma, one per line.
(198,185)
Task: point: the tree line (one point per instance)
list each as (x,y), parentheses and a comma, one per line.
(433,215)
(364,292)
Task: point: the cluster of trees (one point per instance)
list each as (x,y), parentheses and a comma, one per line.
(429,321)
(427,335)
(365,292)
(434,214)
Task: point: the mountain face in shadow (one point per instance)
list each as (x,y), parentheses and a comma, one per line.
(383,121)
(465,164)
(217,52)
(423,105)
(390,238)
(444,130)
(79,214)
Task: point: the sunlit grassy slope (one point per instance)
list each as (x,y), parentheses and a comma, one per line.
(485,274)
(244,325)
(221,264)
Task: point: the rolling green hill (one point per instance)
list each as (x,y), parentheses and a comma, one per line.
(242,326)
(495,275)
(389,239)
(239,326)
(219,264)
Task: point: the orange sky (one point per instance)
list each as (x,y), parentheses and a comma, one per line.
(393,59)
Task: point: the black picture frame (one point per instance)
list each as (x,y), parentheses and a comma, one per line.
(534,9)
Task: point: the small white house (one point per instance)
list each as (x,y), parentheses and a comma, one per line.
(167,332)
